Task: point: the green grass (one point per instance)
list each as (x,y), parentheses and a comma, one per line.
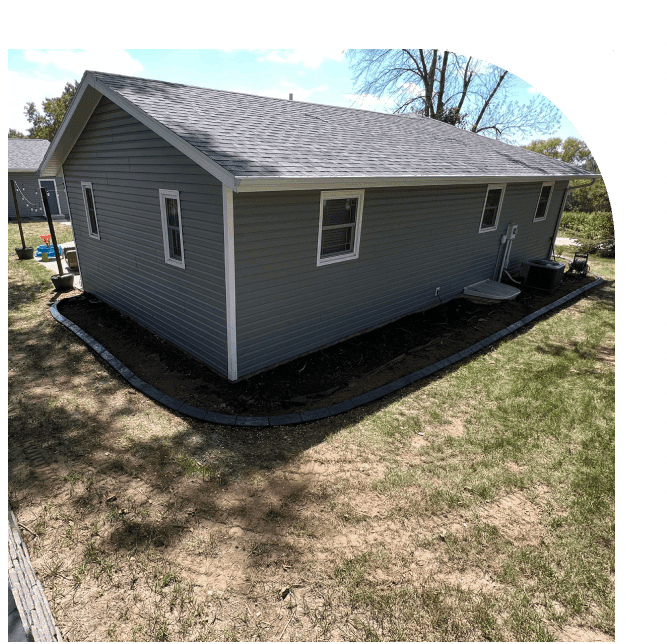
(528,422)
(27,278)
(541,403)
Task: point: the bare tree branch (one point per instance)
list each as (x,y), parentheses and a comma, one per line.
(413,81)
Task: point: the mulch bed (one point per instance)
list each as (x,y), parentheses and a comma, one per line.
(319,379)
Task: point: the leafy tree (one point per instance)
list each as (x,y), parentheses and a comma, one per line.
(15,134)
(572,150)
(459,90)
(45,125)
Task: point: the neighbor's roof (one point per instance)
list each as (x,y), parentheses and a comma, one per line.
(25,155)
(259,143)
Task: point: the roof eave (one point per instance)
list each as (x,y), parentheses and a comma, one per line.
(87,97)
(265,184)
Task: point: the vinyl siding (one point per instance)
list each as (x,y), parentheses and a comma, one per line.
(28,182)
(412,241)
(127,165)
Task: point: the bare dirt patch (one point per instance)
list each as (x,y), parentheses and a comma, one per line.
(317,380)
(516,517)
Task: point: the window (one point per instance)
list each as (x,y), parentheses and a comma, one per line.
(543,201)
(492,206)
(91,211)
(340,226)
(172,229)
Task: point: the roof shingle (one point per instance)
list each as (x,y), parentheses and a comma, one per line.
(258,136)
(26,154)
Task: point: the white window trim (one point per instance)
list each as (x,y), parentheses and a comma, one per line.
(171,194)
(551,194)
(341,194)
(492,186)
(55,187)
(84,185)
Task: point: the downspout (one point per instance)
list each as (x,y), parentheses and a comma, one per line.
(560,214)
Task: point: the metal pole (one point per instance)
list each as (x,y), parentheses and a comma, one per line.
(18,216)
(45,201)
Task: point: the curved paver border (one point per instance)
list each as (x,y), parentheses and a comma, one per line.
(31,602)
(314,414)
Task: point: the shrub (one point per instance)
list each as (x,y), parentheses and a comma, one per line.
(593,226)
(593,230)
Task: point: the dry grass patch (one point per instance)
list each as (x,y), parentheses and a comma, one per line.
(495,524)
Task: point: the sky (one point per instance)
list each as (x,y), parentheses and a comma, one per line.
(313,75)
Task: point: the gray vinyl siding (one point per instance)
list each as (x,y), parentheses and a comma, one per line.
(412,241)
(30,202)
(127,165)
(533,239)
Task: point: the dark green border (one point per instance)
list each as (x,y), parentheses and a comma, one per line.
(641,522)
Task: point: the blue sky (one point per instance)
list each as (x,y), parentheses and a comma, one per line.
(314,75)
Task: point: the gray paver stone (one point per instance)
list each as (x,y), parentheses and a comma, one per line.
(315,414)
(286,419)
(189,410)
(222,419)
(252,421)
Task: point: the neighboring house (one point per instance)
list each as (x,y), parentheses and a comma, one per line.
(250,230)
(25,155)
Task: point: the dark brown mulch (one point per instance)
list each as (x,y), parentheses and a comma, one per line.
(319,379)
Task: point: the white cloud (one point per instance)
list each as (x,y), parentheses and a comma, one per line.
(25,89)
(413,89)
(532,90)
(369,101)
(115,61)
(311,58)
(52,70)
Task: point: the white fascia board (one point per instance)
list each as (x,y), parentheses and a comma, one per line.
(66,137)
(48,168)
(230,281)
(227,178)
(31,170)
(265,184)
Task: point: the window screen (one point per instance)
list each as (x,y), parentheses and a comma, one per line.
(491,208)
(173,226)
(543,202)
(91,211)
(339,218)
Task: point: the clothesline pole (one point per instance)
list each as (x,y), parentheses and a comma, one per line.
(18,216)
(45,200)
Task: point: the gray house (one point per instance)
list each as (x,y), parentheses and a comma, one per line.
(250,230)
(24,157)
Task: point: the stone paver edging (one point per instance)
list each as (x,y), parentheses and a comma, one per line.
(314,414)
(31,602)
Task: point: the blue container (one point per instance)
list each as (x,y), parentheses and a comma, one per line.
(42,248)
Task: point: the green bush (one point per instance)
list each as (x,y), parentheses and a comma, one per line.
(589,199)
(593,226)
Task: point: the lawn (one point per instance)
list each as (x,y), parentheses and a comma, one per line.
(477,504)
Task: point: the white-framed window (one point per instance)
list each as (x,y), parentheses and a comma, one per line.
(340,226)
(493,202)
(91,210)
(543,201)
(172,228)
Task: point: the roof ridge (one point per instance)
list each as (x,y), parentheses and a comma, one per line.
(272,98)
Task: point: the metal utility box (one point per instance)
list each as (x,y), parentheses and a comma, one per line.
(543,274)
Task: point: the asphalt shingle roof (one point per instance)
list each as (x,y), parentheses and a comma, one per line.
(253,136)
(26,154)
